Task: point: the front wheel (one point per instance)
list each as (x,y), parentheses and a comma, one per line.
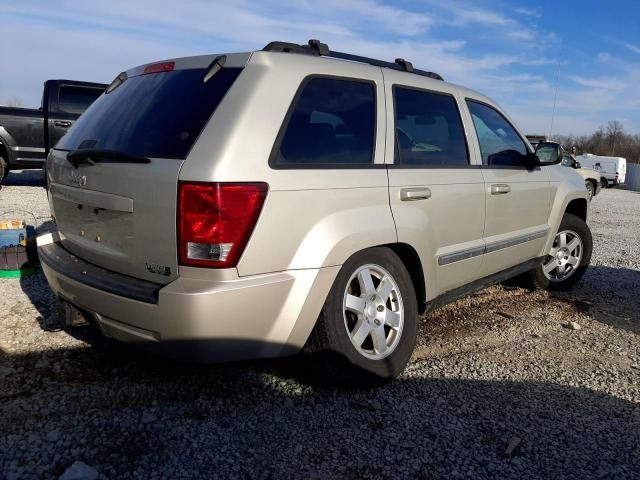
(367,328)
(569,256)
(591,190)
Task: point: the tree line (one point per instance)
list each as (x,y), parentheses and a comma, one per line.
(609,140)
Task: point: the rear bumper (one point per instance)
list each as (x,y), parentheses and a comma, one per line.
(204,315)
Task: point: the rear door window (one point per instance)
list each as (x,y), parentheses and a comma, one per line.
(75,99)
(154,115)
(429,130)
(500,143)
(331,123)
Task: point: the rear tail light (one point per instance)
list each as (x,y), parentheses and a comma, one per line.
(215,221)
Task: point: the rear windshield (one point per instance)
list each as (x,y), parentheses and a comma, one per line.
(154,115)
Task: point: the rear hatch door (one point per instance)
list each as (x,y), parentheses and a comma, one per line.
(116,207)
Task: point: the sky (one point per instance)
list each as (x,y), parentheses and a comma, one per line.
(560,67)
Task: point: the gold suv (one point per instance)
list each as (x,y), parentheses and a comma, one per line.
(257,204)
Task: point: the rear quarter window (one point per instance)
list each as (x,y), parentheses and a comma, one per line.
(330,124)
(153,115)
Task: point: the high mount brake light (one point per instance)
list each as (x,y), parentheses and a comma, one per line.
(215,221)
(159,67)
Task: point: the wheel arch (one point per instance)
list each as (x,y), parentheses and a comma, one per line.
(578,207)
(308,315)
(411,260)
(4,152)
(6,141)
(571,199)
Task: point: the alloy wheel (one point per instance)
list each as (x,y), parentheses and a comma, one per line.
(373,311)
(563,259)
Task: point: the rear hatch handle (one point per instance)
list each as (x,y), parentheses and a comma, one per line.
(92,156)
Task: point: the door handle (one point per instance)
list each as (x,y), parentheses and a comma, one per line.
(62,123)
(414,193)
(500,189)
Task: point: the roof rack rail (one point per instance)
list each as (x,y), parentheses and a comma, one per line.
(319,49)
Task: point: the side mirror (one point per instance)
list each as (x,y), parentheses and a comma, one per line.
(548,153)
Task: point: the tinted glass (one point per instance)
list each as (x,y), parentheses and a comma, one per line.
(428,129)
(500,144)
(332,122)
(77,99)
(155,115)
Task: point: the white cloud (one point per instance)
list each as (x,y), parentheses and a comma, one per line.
(600,83)
(604,57)
(119,34)
(529,12)
(44,52)
(483,17)
(391,18)
(633,48)
(588,103)
(538,61)
(462,15)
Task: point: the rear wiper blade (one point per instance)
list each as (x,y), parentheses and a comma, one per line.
(92,156)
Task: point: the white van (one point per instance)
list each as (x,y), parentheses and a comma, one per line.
(613,170)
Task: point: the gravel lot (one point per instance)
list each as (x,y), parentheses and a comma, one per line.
(499,387)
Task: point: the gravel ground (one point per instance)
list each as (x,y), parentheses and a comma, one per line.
(498,387)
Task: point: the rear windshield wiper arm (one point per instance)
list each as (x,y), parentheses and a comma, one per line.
(91,156)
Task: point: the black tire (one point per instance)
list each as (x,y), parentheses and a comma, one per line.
(574,224)
(604,183)
(329,346)
(591,190)
(4,169)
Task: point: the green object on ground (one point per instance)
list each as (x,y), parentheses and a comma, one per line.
(24,272)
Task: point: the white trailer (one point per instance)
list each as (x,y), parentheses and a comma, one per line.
(613,170)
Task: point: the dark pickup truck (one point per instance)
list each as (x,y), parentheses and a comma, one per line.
(27,134)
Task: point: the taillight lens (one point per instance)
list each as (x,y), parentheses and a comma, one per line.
(159,67)
(215,221)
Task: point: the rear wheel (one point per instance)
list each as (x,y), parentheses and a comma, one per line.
(367,328)
(569,256)
(591,190)
(604,183)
